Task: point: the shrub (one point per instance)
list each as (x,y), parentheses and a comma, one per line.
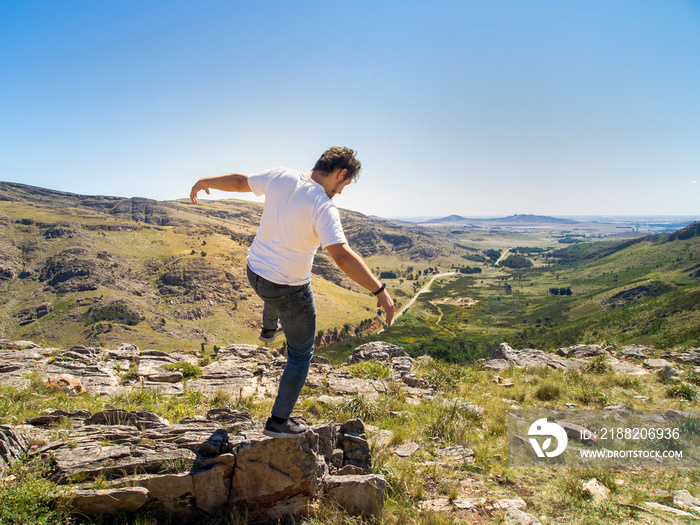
(188,370)
(548,391)
(360,407)
(370,370)
(30,497)
(693,377)
(598,365)
(667,375)
(683,391)
(117,311)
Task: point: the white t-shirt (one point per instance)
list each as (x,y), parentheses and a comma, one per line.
(298,216)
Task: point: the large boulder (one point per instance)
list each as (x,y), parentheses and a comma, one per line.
(277,477)
(357,495)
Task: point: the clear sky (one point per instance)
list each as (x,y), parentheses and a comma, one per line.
(489,107)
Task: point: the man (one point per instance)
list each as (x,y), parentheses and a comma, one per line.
(298,216)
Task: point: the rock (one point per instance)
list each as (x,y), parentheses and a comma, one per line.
(510,503)
(381,438)
(518,517)
(504,356)
(436,505)
(596,490)
(468,503)
(352,426)
(108,502)
(326,439)
(275,477)
(337,458)
(18,345)
(636,351)
(357,495)
(348,470)
(578,432)
(376,350)
(503,381)
(13,446)
(90,459)
(584,351)
(684,500)
(414,382)
(406,450)
(174,376)
(456,454)
(184,494)
(670,510)
(355,451)
(657,364)
(66,384)
(235,420)
(403,364)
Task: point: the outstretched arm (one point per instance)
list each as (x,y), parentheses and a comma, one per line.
(355,268)
(232,182)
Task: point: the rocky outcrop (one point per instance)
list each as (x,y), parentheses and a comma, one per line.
(71,271)
(401,363)
(504,356)
(200,466)
(13,446)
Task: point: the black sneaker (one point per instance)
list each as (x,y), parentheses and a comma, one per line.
(288,429)
(267,336)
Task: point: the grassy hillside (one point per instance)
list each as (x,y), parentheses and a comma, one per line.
(91,270)
(644,291)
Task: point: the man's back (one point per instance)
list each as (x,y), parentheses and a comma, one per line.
(298,216)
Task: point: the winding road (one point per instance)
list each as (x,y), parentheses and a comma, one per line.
(425,288)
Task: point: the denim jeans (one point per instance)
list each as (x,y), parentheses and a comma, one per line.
(295,310)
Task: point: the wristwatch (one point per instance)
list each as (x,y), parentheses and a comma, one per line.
(380,290)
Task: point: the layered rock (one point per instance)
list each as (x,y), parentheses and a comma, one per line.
(135,460)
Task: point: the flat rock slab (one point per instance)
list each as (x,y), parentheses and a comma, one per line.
(670,510)
(108,502)
(518,517)
(657,363)
(406,450)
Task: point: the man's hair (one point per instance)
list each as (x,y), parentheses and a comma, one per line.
(339,157)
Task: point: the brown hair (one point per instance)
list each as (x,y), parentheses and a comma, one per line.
(339,157)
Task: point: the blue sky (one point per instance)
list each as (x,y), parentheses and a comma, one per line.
(468,107)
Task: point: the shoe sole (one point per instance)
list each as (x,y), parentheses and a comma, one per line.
(269,339)
(281,434)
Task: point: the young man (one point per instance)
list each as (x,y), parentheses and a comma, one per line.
(298,216)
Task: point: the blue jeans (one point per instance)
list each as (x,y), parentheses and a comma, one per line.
(295,310)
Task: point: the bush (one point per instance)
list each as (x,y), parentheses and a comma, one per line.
(30,497)
(598,365)
(516,262)
(683,391)
(359,406)
(117,311)
(548,391)
(667,375)
(369,370)
(188,370)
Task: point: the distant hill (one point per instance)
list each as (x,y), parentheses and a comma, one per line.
(521,220)
(84,269)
